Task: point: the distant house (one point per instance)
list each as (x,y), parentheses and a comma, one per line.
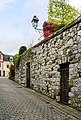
(5,63)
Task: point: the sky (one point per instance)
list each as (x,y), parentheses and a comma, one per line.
(15,22)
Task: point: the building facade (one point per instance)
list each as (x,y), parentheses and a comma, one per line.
(5,63)
(53,66)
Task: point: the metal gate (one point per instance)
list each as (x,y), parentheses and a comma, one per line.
(28,75)
(64,83)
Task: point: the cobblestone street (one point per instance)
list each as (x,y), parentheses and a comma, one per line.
(18,103)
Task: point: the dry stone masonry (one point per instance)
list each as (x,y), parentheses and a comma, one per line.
(52,61)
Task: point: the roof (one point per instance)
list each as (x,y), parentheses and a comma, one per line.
(1,52)
(7,57)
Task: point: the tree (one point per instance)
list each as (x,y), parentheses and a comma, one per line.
(16,60)
(22,49)
(61,13)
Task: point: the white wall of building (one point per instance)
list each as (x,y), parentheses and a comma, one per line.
(5,66)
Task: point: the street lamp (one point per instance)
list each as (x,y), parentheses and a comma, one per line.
(35,24)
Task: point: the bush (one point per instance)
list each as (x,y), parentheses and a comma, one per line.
(48,28)
(22,49)
(12,72)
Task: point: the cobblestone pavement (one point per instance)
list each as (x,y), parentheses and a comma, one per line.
(18,103)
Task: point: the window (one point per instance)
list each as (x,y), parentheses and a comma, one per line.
(7,66)
(0,56)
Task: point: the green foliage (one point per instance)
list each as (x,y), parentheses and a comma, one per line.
(59,27)
(22,49)
(29,51)
(16,60)
(61,13)
(12,72)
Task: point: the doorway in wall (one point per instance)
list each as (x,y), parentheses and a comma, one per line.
(28,75)
(64,83)
(0,72)
(3,73)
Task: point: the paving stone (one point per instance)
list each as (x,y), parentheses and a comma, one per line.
(18,103)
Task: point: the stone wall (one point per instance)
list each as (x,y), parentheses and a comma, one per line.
(47,56)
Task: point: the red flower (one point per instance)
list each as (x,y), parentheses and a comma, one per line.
(46,33)
(48,28)
(45,23)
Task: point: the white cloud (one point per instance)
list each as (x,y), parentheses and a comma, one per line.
(11,39)
(5,3)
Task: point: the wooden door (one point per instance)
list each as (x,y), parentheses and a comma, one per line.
(64,83)
(28,75)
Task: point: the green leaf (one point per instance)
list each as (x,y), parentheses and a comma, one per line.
(61,13)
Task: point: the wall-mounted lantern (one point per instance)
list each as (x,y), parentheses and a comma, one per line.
(34,22)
